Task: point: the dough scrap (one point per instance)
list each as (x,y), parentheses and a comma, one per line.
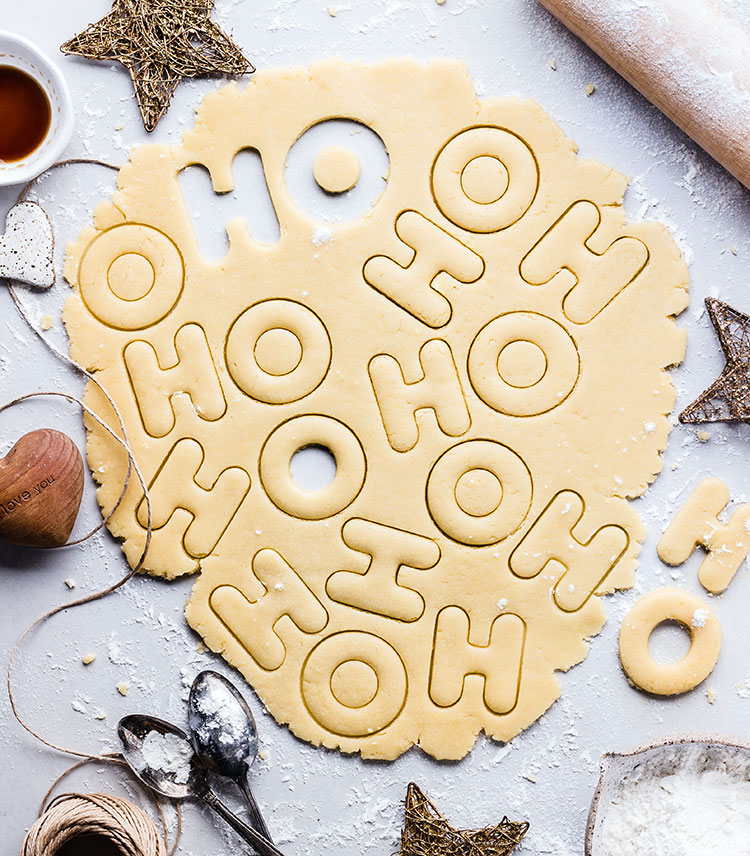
(336,169)
(697,524)
(705,642)
(479,508)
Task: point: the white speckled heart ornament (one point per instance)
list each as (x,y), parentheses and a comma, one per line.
(26,248)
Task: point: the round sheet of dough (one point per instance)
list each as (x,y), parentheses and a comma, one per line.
(684,674)
(336,169)
(458,348)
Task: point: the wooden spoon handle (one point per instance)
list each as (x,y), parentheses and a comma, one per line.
(688,57)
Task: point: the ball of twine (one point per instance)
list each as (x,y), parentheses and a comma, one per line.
(73,816)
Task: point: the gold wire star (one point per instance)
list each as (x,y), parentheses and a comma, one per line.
(160,42)
(728,397)
(427,833)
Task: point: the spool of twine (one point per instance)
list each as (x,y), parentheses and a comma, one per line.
(75,816)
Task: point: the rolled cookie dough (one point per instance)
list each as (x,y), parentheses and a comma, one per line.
(484,354)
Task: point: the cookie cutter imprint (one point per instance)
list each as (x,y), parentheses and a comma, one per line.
(484,354)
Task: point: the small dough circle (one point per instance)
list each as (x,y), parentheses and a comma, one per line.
(521,364)
(354,683)
(705,642)
(131,276)
(355,650)
(479,492)
(484,179)
(312,430)
(278,351)
(336,169)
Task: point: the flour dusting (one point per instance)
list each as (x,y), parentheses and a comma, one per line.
(224,720)
(169,753)
(686,801)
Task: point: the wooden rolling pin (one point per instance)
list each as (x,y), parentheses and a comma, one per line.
(688,57)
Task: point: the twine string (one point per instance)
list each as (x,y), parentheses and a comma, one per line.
(47,825)
(88,598)
(67,162)
(72,815)
(61,355)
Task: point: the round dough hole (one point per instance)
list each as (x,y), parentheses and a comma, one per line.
(484,179)
(336,169)
(669,642)
(313,467)
(131,276)
(278,351)
(354,683)
(521,364)
(478,492)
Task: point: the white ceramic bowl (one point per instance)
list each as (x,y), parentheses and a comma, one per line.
(20,53)
(615,766)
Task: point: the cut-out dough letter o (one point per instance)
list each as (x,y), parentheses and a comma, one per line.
(479,147)
(495,384)
(296,434)
(296,363)
(362,656)
(705,642)
(457,489)
(131,276)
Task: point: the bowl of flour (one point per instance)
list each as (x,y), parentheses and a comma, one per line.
(684,796)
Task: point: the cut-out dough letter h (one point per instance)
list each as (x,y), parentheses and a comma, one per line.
(176,488)
(552,539)
(253,622)
(455,658)
(193,375)
(436,253)
(439,389)
(379,588)
(595,278)
(697,523)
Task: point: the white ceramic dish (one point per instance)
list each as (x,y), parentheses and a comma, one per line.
(20,53)
(615,766)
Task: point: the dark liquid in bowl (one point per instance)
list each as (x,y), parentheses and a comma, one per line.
(24,114)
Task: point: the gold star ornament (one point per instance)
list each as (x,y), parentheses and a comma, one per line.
(728,397)
(428,833)
(160,42)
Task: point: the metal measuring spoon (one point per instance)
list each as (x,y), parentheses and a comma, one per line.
(224,734)
(170,767)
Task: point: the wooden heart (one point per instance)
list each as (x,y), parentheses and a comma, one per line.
(26,248)
(41,483)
